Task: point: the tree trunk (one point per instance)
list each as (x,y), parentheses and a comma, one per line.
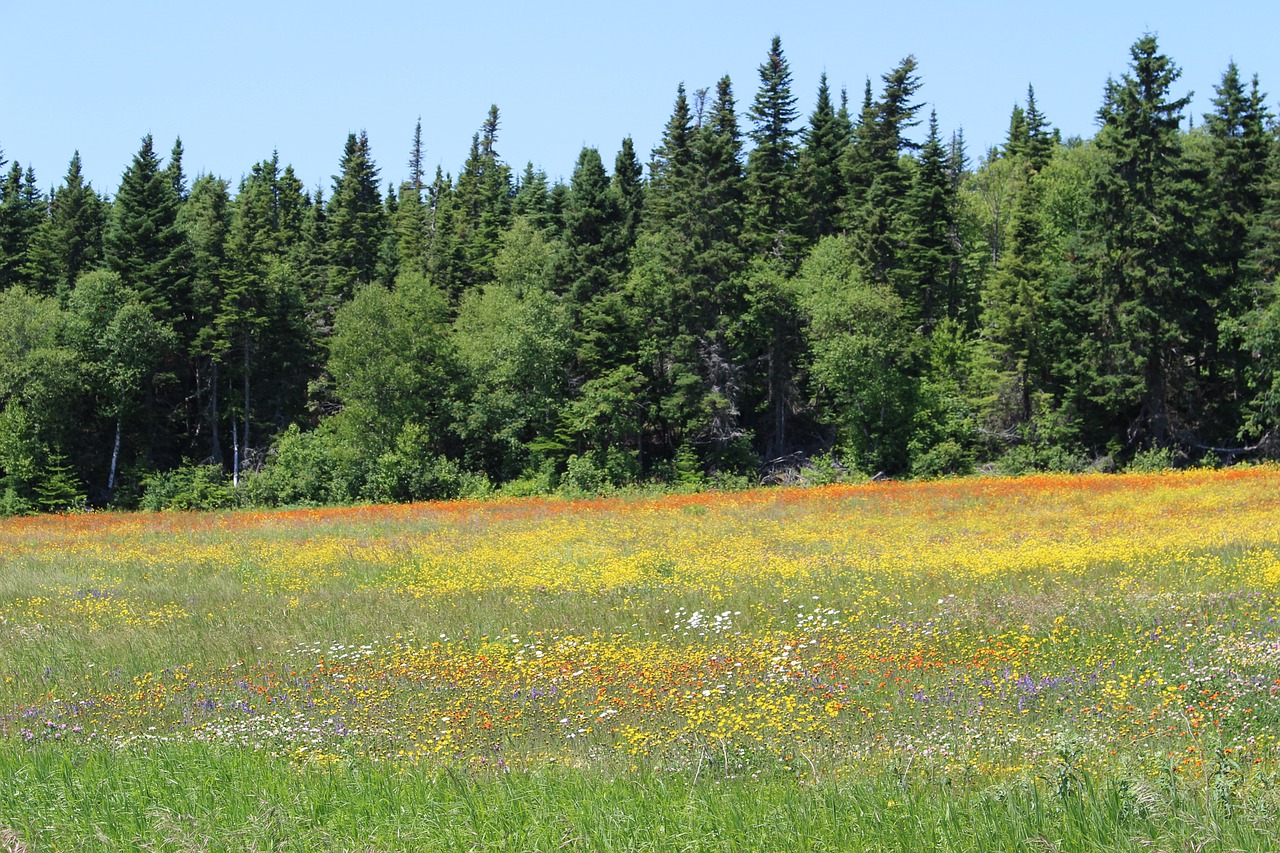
(216,440)
(245,435)
(115,457)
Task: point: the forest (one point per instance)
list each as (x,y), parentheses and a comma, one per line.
(850,293)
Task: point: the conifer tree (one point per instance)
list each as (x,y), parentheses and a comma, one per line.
(771,225)
(819,171)
(481,209)
(878,178)
(143,241)
(69,241)
(532,199)
(206,221)
(927,270)
(1238,154)
(410,221)
(355,220)
(591,232)
(22,211)
(627,186)
(1145,292)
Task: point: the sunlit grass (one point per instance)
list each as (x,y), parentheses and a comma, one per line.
(980,653)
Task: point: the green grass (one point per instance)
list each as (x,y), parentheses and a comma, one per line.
(184,798)
(1182,616)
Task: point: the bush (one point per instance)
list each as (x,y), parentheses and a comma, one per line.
(191,487)
(1151,461)
(943,459)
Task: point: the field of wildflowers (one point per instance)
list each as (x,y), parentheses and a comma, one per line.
(855,661)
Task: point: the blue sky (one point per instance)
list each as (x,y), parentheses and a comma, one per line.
(238,79)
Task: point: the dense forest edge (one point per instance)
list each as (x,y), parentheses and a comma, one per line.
(774,299)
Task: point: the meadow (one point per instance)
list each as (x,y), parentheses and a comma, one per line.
(1081,662)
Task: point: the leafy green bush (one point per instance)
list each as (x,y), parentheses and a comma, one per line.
(191,487)
(1152,460)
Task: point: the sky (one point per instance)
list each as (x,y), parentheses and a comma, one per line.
(237,80)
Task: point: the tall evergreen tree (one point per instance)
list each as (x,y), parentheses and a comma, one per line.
(877,167)
(482,208)
(143,242)
(206,220)
(627,186)
(819,171)
(22,211)
(69,241)
(355,220)
(591,231)
(926,274)
(410,222)
(1146,294)
(1238,154)
(772,220)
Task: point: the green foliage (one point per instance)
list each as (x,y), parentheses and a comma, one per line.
(144,242)
(1152,460)
(862,365)
(355,220)
(411,472)
(189,488)
(594,474)
(1062,302)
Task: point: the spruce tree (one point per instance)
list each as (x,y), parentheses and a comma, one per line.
(627,186)
(144,243)
(355,220)
(878,178)
(1145,291)
(1238,154)
(821,183)
(925,276)
(772,218)
(591,232)
(69,241)
(482,209)
(206,220)
(22,211)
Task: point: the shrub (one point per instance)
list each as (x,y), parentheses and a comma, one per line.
(190,487)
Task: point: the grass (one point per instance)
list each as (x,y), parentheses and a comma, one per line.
(1070,663)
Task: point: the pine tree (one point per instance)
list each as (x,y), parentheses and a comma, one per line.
(355,218)
(628,188)
(926,279)
(410,221)
(532,199)
(206,221)
(819,171)
(1144,289)
(143,242)
(1238,153)
(591,231)
(22,211)
(879,143)
(671,168)
(772,220)
(482,208)
(69,242)
(1040,139)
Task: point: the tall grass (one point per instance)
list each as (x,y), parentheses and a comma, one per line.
(1071,663)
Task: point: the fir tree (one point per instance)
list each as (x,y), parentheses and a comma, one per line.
(1145,293)
(69,241)
(144,242)
(819,171)
(22,211)
(771,225)
(355,219)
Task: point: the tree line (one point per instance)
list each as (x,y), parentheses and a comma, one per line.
(772,290)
